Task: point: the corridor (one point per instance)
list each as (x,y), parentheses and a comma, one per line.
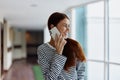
(20,70)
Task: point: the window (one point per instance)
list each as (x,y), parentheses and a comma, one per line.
(114,40)
(114,31)
(95,41)
(100,39)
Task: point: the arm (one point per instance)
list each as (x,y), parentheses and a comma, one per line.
(51,70)
(81,67)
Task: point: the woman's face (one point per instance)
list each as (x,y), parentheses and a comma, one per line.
(63,26)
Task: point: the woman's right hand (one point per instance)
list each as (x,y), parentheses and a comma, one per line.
(59,43)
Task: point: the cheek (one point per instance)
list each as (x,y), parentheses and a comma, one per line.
(62,30)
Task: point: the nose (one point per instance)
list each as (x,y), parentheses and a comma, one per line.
(68,28)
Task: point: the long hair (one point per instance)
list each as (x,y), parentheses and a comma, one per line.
(74,52)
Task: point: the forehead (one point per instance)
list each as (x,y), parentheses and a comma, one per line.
(64,21)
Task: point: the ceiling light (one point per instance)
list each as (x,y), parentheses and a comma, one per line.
(33,5)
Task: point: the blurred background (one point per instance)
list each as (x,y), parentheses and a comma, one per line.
(95,24)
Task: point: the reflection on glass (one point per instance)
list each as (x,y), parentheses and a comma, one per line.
(95,71)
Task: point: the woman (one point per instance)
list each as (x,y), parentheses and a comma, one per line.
(61,58)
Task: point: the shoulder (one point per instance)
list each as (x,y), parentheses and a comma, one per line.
(80,65)
(42,46)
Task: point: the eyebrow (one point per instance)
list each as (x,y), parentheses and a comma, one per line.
(66,24)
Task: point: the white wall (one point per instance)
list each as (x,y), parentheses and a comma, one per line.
(19,39)
(46,35)
(7,43)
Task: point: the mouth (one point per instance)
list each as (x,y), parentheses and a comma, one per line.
(65,35)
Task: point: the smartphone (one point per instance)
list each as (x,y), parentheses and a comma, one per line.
(53,32)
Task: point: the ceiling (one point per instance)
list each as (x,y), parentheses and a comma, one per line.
(33,14)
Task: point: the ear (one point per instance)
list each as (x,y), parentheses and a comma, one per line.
(51,26)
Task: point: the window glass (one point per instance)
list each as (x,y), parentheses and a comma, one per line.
(95,71)
(114,31)
(114,72)
(95,31)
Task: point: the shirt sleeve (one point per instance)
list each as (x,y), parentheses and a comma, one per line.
(51,70)
(81,69)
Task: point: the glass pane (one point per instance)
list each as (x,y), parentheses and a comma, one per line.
(95,10)
(114,31)
(114,41)
(95,71)
(114,12)
(114,72)
(95,31)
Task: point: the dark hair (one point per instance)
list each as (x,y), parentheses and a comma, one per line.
(55,18)
(73,51)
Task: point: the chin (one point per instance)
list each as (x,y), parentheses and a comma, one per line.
(65,37)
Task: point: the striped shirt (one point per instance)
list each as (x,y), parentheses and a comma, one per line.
(52,65)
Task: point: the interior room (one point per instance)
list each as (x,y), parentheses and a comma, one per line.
(95,24)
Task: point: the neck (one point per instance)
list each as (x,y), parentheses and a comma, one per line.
(52,42)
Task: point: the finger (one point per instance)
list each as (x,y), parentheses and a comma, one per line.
(59,39)
(56,39)
(62,44)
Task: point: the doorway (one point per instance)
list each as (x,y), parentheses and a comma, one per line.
(33,39)
(1,46)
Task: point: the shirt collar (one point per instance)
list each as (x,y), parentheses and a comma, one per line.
(51,46)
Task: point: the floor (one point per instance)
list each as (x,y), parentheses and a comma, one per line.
(20,70)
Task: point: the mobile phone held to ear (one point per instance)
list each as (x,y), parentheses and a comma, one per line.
(53,32)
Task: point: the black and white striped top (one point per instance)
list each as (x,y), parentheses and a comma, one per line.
(52,65)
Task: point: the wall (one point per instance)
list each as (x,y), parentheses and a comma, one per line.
(46,34)
(19,49)
(34,38)
(7,47)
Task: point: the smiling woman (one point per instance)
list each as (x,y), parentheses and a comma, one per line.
(61,58)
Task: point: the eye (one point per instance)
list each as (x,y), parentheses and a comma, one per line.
(67,26)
